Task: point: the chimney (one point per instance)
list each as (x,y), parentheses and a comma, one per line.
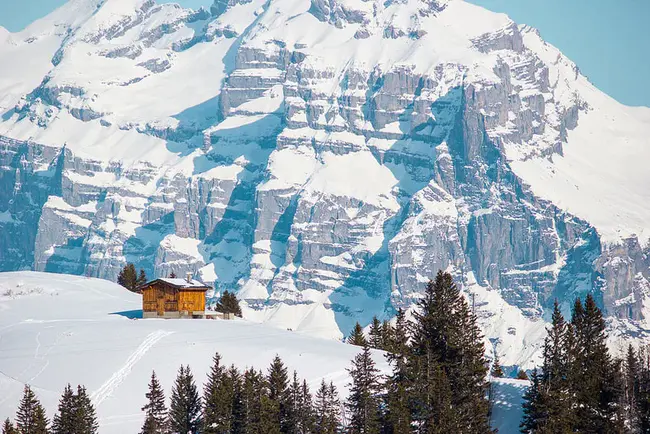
(188,277)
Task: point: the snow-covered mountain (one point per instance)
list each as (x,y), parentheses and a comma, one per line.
(325,158)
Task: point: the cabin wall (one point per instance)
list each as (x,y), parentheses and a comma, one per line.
(149,299)
(161,300)
(192,301)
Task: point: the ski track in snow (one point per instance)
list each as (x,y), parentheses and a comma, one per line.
(120,419)
(116,379)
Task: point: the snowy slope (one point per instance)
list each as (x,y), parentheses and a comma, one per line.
(56,329)
(601,175)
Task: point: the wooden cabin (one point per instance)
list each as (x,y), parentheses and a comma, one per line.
(173,298)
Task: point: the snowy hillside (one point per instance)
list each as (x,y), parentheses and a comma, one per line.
(56,329)
(323,159)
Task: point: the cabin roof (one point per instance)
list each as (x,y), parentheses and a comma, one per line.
(180,283)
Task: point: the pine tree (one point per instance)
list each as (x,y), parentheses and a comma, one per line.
(218,400)
(172,275)
(595,377)
(247,407)
(327,409)
(292,425)
(521,375)
(447,362)
(85,415)
(335,405)
(128,277)
(632,389)
(239,407)
(555,388)
(496,371)
(228,303)
(269,410)
(64,420)
(142,278)
(185,408)
(306,416)
(278,385)
(30,417)
(534,414)
(363,401)
(356,336)
(155,420)
(8,427)
(375,334)
(398,417)
(643,398)
(387,336)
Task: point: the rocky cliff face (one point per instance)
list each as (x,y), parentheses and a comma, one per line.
(322,159)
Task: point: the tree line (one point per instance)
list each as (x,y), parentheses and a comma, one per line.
(75,415)
(437,384)
(580,386)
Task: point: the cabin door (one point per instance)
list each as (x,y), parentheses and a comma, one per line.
(161,306)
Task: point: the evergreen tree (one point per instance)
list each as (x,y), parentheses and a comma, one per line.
(496,371)
(580,388)
(521,375)
(64,420)
(247,407)
(142,278)
(447,363)
(643,394)
(300,417)
(185,408)
(595,378)
(155,420)
(555,391)
(335,405)
(85,415)
(387,336)
(398,417)
(534,415)
(292,424)
(269,410)
(228,303)
(356,336)
(172,275)
(306,416)
(239,409)
(327,409)
(363,401)
(278,386)
(76,413)
(128,277)
(30,417)
(8,427)
(218,400)
(375,334)
(632,376)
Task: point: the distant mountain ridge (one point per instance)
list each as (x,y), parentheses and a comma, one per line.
(324,159)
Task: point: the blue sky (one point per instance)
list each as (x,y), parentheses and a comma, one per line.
(609,40)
